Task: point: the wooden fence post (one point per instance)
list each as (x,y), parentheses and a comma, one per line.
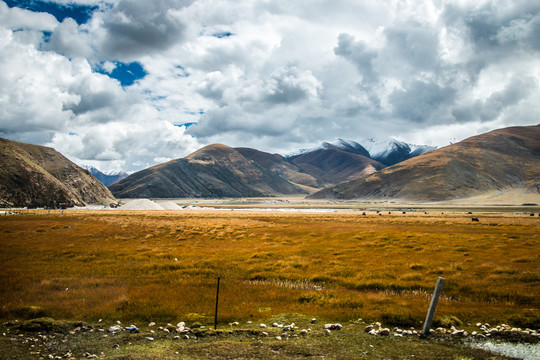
(432,307)
(217,300)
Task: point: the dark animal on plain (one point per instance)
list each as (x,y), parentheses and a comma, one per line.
(475,219)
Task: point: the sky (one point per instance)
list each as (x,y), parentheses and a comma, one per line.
(127,84)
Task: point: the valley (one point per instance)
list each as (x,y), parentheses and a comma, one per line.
(366,251)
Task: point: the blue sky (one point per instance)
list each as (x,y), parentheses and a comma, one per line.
(125,73)
(80,13)
(108,82)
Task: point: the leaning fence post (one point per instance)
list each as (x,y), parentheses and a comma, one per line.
(217,300)
(432,306)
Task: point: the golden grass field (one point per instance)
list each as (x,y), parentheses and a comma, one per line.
(163,266)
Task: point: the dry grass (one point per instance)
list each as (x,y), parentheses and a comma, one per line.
(162,266)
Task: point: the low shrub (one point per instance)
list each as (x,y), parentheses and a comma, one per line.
(403,320)
(526,320)
(446,321)
(30,312)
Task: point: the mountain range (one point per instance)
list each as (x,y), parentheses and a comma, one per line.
(498,161)
(221,171)
(33,175)
(501,160)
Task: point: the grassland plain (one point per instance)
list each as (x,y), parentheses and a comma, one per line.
(162,266)
(158,265)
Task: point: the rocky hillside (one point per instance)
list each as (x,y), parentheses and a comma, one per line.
(216,171)
(33,175)
(499,160)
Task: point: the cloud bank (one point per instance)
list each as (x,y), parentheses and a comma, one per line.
(110,83)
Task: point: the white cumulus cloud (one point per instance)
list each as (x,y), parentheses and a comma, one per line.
(274,75)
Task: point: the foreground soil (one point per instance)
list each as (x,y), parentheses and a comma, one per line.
(50,339)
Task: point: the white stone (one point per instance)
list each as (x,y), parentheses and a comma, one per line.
(333,326)
(114,328)
(368,328)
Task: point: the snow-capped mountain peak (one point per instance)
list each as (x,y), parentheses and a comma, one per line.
(386,150)
(390,151)
(346,145)
(378,147)
(107,178)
